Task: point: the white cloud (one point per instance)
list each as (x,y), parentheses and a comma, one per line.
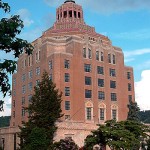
(6,106)
(142,93)
(131,53)
(107,6)
(25,16)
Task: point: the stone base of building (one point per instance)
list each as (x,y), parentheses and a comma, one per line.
(78,131)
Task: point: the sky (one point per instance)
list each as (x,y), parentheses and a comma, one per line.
(125,22)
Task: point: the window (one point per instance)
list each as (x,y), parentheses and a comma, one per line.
(130,97)
(50,64)
(70,13)
(30,86)
(88,113)
(29,61)
(51,77)
(101,95)
(109,58)
(87,67)
(88,93)
(128,75)
(14,103)
(100,70)
(36,56)
(14,93)
(13,114)
(65,14)
(79,15)
(101,82)
(66,64)
(102,113)
(113,97)
(67,91)
(23,89)
(23,77)
(84,52)
(30,74)
(67,117)
(37,82)
(75,14)
(114,59)
(30,98)
(14,81)
(97,55)
(38,71)
(112,84)
(23,112)
(102,56)
(89,53)
(67,105)
(114,114)
(23,100)
(88,81)
(129,87)
(67,77)
(112,72)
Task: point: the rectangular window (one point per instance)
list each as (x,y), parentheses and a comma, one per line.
(112,72)
(89,53)
(23,89)
(50,64)
(113,97)
(102,56)
(29,98)
(88,113)
(112,84)
(88,81)
(114,114)
(100,70)
(67,105)
(23,77)
(129,87)
(67,91)
(37,71)
(88,93)
(29,61)
(114,59)
(30,86)
(13,103)
(130,97)
(14,81)
(66,64)
(23,100)
(37,82)
(23,112)
(97,55)
(109,58)
(30,74)
(87,67)
(101,95)
(84,52)
(67,77)
(13,114)
(102,113)
(128,75)
(51,77)
(101,82)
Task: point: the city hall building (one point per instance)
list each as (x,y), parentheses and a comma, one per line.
(86,68)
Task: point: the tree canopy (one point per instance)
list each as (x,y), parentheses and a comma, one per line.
(10,28)
(44,110)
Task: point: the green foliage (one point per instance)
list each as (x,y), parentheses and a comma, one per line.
(144,116)
(118,135)
(4,121)
(65,144)
(9,30)
(45,110)
(133,113)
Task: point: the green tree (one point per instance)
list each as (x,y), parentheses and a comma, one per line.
(9,42)
(44,111)
(124,135)
(133,113)
(65,144)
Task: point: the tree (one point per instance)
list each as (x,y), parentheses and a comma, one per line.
(44,111)
(9,29)
(118,135)
(65,144)
(133,113)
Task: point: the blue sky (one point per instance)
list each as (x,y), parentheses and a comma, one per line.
(125,22)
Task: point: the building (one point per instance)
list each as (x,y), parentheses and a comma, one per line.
(85,66)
